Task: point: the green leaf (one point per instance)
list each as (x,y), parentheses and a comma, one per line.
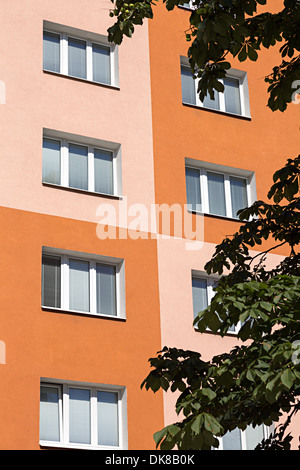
(288,378)
(209,438)
(239,305)
(266,305)
(159,435)
(218,86)
(164,383)
(251,375)
(173,429)
(214,322)
(197,424)
(209,393)
(252,54)
(242,55)
(154,382)
(211,424)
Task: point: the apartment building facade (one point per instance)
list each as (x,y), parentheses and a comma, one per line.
(214,157)
(94,138)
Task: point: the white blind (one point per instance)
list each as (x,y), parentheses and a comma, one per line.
(49,414)
(188,86)
(254,436)
(78,166)
(51,52)
(76,58)
(51,281)
(193,194)
(238,190)
(232,95)
(232,440)
(208,102)
(106,289)
(199,290)
(216,193)
(79,285)
(51,161)
(108,432)
(103,162)
(80,416)
(101,64)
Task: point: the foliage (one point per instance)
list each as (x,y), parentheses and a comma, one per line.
(259,380)
(234,28)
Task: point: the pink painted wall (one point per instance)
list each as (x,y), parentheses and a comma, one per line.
(37,100)
(175,265)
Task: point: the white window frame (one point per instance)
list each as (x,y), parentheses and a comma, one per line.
(90,38)
(239,75)
(65,140)
(211,281)
(205,167)
(64,414)
(93,260)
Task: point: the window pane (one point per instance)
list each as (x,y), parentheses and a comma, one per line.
(80,416)
(103,161)
(76,58)
(51,52)
(193,194)
(238,189)
(254,436)
(108,432)
(79,285)
(49,414)
(51,161)
(188,86)
(232,95)
(51,281)
(212,104)
(232,328)
(106,289)
(216,193)
(101,64)
(232,440)
(78,166)
(199,289)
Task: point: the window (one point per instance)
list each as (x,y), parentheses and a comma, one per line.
(243,440)
(234,100)
(79,283)
(80,416)
(79,54)
(188,5)
(202,292)
(81,164)
(217,189)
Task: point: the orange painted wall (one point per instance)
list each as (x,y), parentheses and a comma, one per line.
(41,343)
(261,144)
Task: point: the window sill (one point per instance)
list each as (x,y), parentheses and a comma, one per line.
(185,8)
(82,191)
(217,111)
(59,445)
(229,333)
(82,313)
(215,216)
(83,80)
